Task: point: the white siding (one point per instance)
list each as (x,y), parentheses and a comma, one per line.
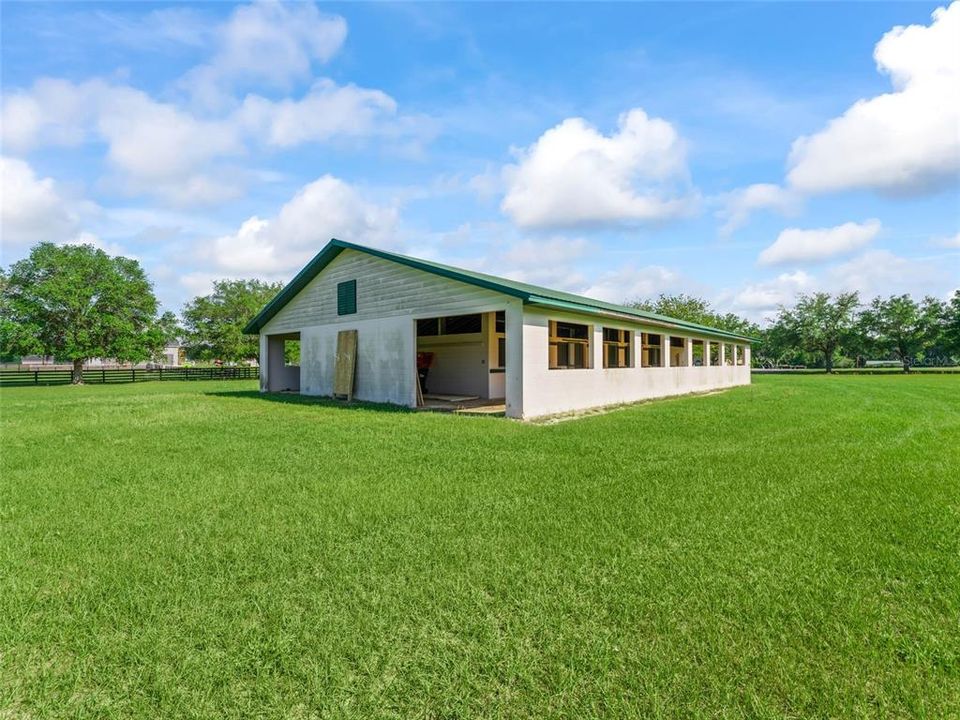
(390,296)
(384,289)
(547,392)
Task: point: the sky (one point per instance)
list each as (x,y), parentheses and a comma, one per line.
(741,152)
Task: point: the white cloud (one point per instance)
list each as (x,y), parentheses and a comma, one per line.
(880,272)
(575,175)
(948,242)
(88,238)
(266,43)
(533,253)
(162,150)
(630,283)
(739,204)
(31,208)
(871,273)
(760,298)
(328,110)
(326,208)
(902,142)
(155,147)
(796,245)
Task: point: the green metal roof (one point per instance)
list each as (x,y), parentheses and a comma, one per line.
(529,294)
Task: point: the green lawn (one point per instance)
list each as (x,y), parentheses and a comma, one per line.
(789,549)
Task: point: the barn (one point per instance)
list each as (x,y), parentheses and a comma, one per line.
(427,330)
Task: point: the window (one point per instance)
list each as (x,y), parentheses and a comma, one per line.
(347,297)
(452,325)
(428,327)
(741,356)
(569,345)
(460,324)
(650,350)
(698,352)
(728,354)
(501,352)
(500,325)
(714,354)
(616,348)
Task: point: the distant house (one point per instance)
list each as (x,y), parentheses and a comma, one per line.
(542,351)
(173,354)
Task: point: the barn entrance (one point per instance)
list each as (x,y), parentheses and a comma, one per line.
(283,362)
(460,358)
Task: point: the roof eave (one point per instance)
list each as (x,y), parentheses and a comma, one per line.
(639,319)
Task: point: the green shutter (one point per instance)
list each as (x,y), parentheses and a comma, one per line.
(347,297)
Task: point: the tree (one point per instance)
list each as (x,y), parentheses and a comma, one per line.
(951,325)
(696,310)
(170,327)
(903,327)
(76,302)
(214,323)
(820,323)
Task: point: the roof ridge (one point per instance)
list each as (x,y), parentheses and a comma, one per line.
(526,291)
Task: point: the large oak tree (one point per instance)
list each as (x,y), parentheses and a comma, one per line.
(903,327)
(820,323)
(75,302)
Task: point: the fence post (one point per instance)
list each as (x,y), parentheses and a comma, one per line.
(161,373)
(103,376)
(36,377)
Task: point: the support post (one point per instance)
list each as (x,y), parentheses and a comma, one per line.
(723,354)
(706,353)
(664,350)
(688,352)
(513,382)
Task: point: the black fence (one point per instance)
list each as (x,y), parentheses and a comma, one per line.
(16,378)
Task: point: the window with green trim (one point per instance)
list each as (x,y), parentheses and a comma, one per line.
(347,297)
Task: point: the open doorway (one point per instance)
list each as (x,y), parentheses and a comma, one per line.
(461,358)
(283,362)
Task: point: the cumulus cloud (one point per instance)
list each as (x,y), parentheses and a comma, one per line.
(328,207)
(160,149)
(32,209)
(902,142)
(769,294)
(266,43)
(881,272)
(326,111)
(871,273)
(796,245)
(155,147)
(740,204)
(575,175)
(631,282)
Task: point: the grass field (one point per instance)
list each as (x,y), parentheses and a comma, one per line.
(789,549)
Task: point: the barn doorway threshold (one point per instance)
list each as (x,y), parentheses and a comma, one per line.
(463,405)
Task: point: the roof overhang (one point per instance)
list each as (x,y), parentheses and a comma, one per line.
(526,293)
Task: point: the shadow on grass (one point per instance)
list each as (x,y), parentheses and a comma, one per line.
(327,402)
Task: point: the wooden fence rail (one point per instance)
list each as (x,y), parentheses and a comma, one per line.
(16,378)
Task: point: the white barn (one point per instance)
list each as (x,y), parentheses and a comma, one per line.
(543,352)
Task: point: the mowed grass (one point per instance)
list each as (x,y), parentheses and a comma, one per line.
(789,549)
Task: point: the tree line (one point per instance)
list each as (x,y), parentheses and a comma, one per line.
(76,302)
(826,331)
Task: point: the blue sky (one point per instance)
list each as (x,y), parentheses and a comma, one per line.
(742,152)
